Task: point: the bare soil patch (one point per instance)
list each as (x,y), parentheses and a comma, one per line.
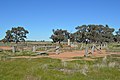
(5,48)
(69,56)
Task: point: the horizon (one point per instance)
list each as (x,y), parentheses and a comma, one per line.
(39,17)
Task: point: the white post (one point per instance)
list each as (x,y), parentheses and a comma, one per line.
(68,42)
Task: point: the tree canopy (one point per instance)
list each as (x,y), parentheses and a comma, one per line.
(94,33)
(59,35)
(16,34)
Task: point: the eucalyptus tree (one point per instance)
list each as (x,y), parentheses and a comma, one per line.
(107,34)
(8,37)
(59,35)
(16,34)
(94,33)
(81,33)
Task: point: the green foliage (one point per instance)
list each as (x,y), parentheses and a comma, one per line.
(15,35)
(95,33)
(59,35)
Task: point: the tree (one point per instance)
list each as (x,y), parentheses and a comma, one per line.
(94,33)
(16,34)
(8,37)
(59,35)
(117,36)
(107,34)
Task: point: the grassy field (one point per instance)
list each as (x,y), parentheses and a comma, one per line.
(103,68)
(107,68)
(114,47)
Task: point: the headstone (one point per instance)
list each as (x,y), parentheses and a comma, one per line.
(68,42)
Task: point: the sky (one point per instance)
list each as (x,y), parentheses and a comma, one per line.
(39,17)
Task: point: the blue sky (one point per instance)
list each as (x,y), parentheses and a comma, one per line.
(41,16)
